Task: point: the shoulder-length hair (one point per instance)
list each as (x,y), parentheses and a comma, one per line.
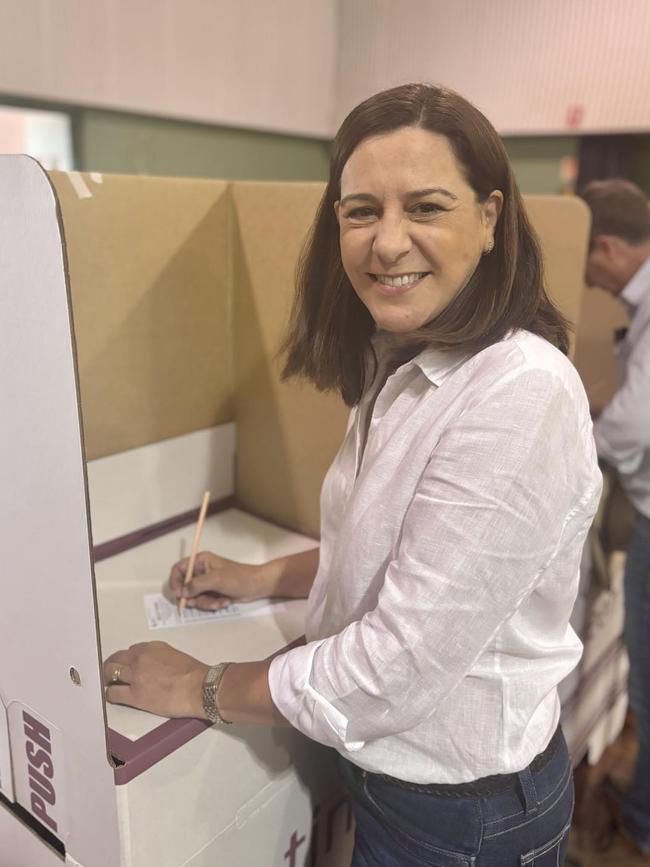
(329,337)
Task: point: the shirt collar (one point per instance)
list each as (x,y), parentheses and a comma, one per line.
(435,364)
(638,289)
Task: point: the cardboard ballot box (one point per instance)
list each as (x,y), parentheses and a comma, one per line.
(141,319)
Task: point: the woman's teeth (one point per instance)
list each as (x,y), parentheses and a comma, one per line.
(404,280)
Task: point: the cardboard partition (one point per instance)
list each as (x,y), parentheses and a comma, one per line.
(601,316)
(288,433)
(152,297)
(52,722)
(562,225)
(181,293)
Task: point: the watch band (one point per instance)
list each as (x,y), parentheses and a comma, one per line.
(210,689)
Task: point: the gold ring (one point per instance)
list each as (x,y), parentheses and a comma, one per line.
(117,671)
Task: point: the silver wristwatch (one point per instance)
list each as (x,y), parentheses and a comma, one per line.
(210,687)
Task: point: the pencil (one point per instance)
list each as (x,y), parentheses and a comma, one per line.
(195,548)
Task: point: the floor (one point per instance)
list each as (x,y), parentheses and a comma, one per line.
(595,841)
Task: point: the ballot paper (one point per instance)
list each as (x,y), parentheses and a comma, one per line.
(162,614)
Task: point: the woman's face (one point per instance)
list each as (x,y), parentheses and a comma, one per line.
(411,229)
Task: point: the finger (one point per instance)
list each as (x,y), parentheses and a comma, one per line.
(120,656)
(117,673)
(179,571)
(136,650)
(204,562)
(209,602)
(177,574)
(214,581)
(119,695)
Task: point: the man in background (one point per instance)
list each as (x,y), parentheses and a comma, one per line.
(619,262)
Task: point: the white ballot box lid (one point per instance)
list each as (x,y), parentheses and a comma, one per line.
(51,717)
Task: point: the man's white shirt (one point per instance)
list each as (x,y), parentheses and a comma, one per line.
(622,431)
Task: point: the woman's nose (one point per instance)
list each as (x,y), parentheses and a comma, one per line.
(392,240)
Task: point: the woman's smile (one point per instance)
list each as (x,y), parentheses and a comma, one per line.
(398,284)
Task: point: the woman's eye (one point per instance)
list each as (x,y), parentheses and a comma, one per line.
(426,209)
(361,213)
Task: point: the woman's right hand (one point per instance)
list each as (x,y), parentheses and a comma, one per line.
(216,582)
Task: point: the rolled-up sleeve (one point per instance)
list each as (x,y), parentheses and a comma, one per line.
(485,521)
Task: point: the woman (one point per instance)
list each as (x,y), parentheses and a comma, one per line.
(453,516)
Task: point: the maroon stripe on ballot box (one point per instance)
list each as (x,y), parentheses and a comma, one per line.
(153,531)
(139,755)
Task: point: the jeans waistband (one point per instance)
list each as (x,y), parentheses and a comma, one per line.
(491,785)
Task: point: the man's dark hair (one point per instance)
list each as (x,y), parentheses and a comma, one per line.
(618,207)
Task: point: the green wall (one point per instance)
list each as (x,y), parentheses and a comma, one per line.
(110,141)
(118,142)
(536,161)
(133,144)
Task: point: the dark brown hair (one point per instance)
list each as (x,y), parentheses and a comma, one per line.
(329,336)
(619,208)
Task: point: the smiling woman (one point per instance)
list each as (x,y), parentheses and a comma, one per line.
(452,518)
(419,183)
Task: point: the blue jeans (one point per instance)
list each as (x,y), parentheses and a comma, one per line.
(525,825)
(636,804)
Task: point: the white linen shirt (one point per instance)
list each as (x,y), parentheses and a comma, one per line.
(438,622)
(622,431)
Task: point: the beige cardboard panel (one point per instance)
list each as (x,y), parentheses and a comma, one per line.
(287,433)
(152,290)
(562,225)
(601,315)
(148,261)
(564,230)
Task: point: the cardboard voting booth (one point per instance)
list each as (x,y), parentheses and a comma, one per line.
(123,372)
(141,319)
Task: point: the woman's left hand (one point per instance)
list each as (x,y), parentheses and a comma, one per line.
(155,677)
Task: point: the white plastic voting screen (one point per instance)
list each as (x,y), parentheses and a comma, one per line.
(54,766)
